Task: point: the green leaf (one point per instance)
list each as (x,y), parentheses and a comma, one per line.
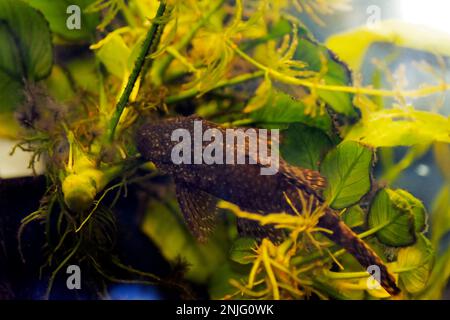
(56,14)
(400,127)
(304,146)
(396,227)
(439,277)
(31,33)
(10,71)
(281,108)
(164,226)
(11,93)
(414,265)
(114,54)
(10,62)
(398,216)
(405,201)
(354,217)
(242,250)
(352,46)
(347,171)
(25,51)
(319,58)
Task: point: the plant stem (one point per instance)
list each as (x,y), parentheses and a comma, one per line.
(418,93)
(166,60)
(148,43)
(346,275)
(225,83)
(361,274)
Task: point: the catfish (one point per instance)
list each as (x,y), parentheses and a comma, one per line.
(199,186)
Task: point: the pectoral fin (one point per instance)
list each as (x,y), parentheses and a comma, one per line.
(198,208)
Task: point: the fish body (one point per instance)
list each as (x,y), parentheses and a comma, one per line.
(200,185)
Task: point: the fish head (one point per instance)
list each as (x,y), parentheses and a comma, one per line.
(156,139)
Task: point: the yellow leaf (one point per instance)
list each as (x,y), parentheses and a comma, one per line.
(401,127)
(351,46)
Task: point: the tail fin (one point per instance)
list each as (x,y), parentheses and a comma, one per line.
(346,238)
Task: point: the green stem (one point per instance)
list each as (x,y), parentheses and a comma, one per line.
(166,60)
(346,275)
(148,43)
(361,274)
(225,83)
(317,85)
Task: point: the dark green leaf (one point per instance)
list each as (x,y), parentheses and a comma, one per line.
(25,51)
(281,108)
(31,33)
(304,146)
(347,171)
(10,93)
(398,215)
(319,58)
(10,62)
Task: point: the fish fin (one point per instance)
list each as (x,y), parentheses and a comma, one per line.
(251,228)
(301,177)
(198,208)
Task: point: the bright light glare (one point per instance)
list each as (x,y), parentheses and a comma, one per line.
(430,13)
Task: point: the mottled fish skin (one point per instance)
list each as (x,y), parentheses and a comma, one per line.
(245,186)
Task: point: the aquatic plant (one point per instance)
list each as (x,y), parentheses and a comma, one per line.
(75,98)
